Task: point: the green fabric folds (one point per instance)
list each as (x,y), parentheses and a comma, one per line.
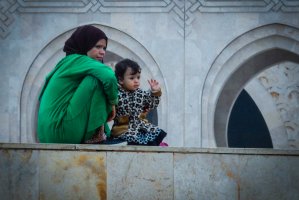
(75,100)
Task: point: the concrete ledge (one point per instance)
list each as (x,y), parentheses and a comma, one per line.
(71,171)
(88,147)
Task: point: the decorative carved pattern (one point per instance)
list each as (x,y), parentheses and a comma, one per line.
(183,15)
(182,10)
(249,6)
(7,8)
(282,82)
(50,6)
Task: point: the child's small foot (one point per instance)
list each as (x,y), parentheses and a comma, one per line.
(115,142)
(163,144)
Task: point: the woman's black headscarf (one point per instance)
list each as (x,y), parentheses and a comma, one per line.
(83,39)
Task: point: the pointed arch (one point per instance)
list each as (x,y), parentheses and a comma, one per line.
(120,45)
(235,66)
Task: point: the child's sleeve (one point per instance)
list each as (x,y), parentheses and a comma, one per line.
(151,99)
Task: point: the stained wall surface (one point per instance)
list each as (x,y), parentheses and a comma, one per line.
(202,52)
(31,171)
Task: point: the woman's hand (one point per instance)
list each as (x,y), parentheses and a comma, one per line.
(112,114)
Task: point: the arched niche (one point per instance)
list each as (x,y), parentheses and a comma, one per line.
(120,45)
(238,63)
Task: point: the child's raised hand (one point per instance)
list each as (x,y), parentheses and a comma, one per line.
(155,86)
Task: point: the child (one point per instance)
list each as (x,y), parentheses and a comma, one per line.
(129,123)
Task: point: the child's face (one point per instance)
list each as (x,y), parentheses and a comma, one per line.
(130,81)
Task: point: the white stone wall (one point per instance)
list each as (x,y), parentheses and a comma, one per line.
(67,172)
(282,83)
(198,50)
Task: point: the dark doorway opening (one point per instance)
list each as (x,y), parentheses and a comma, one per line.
(247,127)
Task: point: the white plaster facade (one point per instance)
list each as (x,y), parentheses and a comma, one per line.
(203,52)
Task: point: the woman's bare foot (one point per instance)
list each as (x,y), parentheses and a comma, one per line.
(98,137)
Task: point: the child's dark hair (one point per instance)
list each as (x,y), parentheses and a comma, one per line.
(123,65)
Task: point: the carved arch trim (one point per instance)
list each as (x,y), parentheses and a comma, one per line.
(234,67)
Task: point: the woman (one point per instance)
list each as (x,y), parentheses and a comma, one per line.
(80,94)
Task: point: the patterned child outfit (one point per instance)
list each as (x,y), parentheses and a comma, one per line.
(130,123)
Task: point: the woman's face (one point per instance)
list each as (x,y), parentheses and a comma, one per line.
(98,51)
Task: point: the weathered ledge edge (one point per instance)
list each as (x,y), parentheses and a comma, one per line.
(189,150)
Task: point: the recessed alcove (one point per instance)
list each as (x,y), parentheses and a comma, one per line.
(120,45)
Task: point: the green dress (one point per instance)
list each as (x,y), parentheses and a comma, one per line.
(76,99)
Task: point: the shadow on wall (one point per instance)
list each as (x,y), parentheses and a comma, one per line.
(247,127)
